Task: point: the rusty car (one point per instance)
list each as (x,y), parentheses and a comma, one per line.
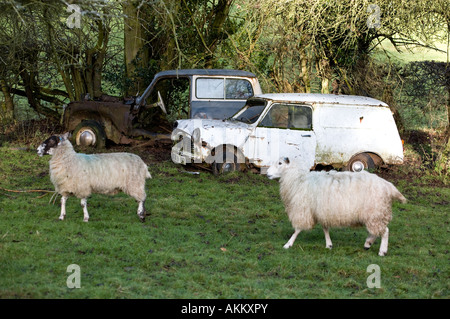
(172,95)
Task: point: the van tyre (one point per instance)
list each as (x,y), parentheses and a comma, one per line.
(225,166)
(89,133)
(230,161)
(360,162)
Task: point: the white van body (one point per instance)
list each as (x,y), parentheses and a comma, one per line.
(352,132)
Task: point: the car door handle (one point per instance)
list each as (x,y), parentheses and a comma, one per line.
(306,135)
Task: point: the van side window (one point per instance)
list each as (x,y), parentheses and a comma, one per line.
(292,116)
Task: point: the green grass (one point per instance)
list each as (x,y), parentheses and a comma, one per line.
(207,237)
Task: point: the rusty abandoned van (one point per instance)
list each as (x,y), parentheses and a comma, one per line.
(340,131)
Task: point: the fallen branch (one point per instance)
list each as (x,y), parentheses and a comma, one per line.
(26,191)
(45,191)
(148,143)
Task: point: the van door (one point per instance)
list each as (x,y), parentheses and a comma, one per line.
(285,131)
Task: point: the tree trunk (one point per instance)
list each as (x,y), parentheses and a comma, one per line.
(447,83)
(324,72)
(171,51)
(220,15)
(31,92)
(78,83)
(97,74)
(9,103)
(304,73)
(95,58)
(135,56)
(447,137)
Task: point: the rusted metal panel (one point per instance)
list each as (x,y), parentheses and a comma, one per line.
(117,112)
(122,119)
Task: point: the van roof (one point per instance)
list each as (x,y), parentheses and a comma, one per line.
(322,98)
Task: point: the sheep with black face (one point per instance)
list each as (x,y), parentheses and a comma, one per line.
(335,199)
(81,175)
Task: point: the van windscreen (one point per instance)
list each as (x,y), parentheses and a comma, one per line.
(252,112)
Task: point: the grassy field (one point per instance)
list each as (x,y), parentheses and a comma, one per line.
(414,53)
(209,237)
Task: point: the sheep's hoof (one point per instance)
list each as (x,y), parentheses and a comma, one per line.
(382,253)
(85,220)
(329,247)
(142,217)
(287,246)
(366,248)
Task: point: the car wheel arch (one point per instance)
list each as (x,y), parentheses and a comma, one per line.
(221,151)
(370,160)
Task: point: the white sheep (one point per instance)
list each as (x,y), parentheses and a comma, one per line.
(335,199)
(80,175)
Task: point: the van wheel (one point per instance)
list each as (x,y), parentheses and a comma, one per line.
(89,134)
(228,164)
(360,162)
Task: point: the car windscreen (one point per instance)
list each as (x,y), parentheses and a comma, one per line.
(252,112)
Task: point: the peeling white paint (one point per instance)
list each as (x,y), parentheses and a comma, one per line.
(341,127)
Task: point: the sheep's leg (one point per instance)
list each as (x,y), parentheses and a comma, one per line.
(141,211)
(369,241)
(384,243)
(292,239)
(63,207)
(328,243)
(85,211)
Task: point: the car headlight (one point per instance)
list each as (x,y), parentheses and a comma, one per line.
(196,135)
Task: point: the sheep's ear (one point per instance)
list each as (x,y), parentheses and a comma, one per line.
(286,160)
